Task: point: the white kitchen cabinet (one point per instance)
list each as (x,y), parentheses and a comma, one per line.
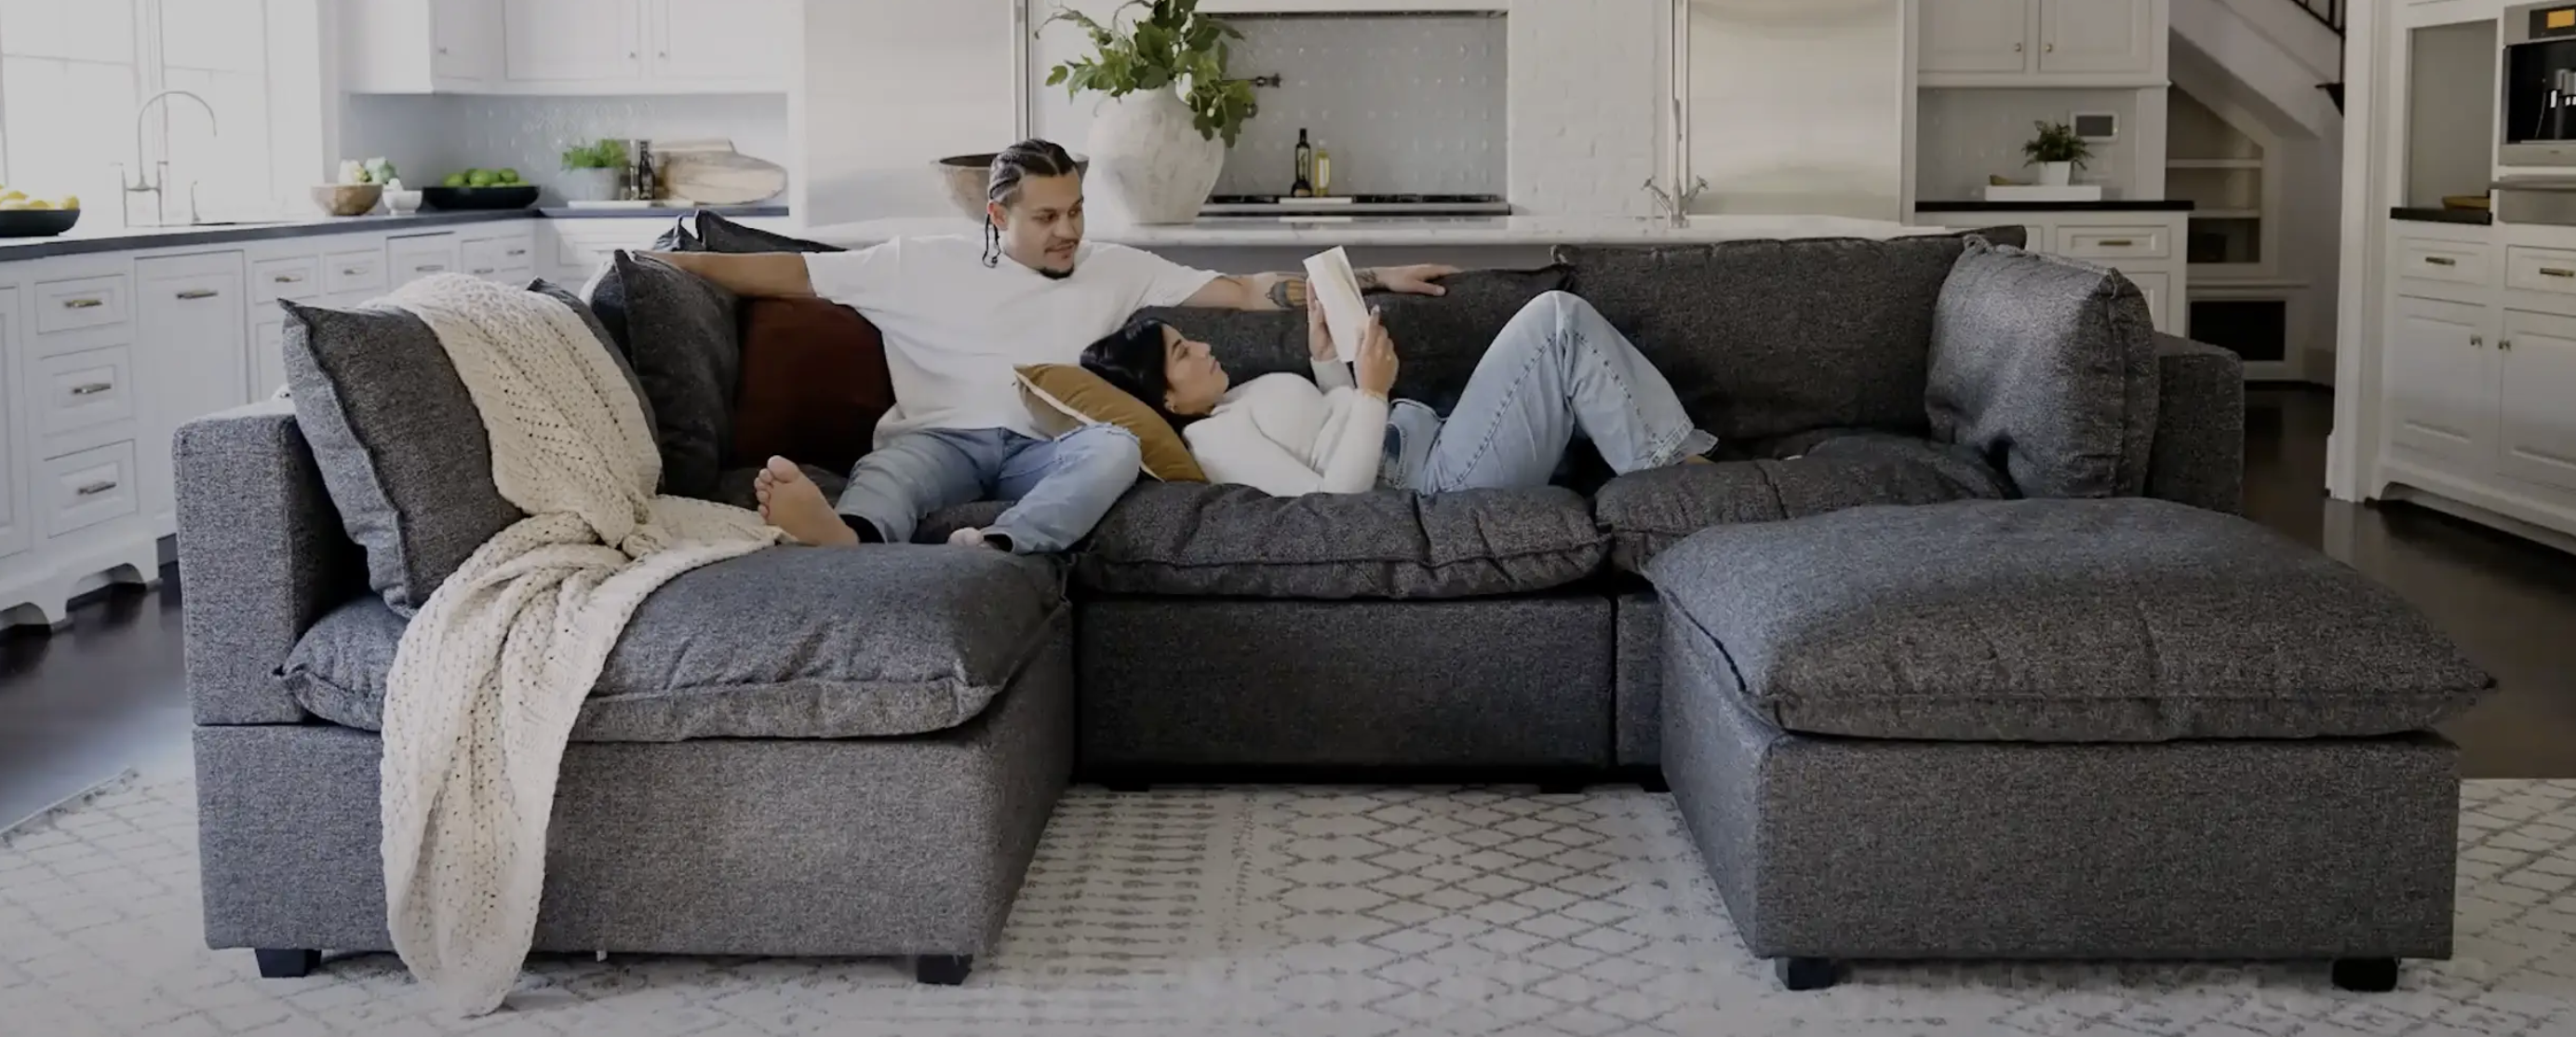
(2441,376)
(2096,36)
(190,343)
(1975,36)
(554,41)
(2143,246)
(412,257)
(2033,43)
(420,46)
(712,42)
(2536,399)
(14,535)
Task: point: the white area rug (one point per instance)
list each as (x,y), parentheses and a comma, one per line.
(1286,911)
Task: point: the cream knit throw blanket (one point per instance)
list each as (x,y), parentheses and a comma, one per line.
(493,670)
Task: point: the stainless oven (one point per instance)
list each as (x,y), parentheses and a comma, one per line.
(2539,74)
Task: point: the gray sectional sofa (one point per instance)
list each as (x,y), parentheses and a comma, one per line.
(863,766)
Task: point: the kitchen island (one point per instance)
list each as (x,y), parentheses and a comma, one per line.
(1250,244)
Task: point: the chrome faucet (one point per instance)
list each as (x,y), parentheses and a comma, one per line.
(145,183)
(1676,209)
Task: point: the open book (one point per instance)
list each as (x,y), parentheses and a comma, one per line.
(1334,286)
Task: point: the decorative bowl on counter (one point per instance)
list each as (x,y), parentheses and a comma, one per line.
(36,223)
(514,196)
(966,176)
(348,199)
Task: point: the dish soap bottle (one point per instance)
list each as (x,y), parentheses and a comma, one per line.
(1305,185)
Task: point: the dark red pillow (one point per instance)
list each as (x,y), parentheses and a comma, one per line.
(814,383)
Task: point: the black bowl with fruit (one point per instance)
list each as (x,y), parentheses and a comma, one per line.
(481,189)
(36,223)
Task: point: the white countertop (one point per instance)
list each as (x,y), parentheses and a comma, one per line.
(1459,230)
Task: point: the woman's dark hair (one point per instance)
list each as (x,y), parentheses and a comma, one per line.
(1028,158)
(1131,359)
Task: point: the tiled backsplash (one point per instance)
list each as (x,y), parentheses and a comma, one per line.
(429,136)
(1405,103)
(1967,135)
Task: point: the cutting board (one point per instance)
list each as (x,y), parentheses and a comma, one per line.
(711,172)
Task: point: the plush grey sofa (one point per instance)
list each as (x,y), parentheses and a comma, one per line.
(863,767)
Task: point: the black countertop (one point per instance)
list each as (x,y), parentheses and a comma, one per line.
(78,242)
(2119,205)
(2471,217)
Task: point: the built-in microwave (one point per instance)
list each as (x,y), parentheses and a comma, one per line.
(2539,73)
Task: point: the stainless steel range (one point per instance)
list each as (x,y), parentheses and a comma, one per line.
(1356,205)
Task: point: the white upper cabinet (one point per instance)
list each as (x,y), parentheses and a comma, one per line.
(572,40)
(1975,36)
(569,47)
(2096,36)
(2004,43)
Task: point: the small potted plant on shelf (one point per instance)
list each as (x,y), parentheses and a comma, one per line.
(2057,151)
(1160,137)
(593,172)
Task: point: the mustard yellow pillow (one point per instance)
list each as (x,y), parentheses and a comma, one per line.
(1063,397)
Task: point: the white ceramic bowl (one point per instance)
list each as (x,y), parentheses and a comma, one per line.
(402,203)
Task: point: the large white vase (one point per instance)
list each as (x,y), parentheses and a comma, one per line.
(1148,162)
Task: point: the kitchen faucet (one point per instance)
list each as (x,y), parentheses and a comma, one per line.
(1677,209)
(143,182)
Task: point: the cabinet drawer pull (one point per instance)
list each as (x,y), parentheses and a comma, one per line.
(2440,261)
(2118,243)
(194,294)
(481,270)
(96,488)
(92,388)
(2018,47)
(83,304)
(288,279)
(429,269)
(2505,344)
(2048,49)
(354,271)
(518,252)
(2556,271)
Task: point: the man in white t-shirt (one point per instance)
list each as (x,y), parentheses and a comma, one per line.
(958,315)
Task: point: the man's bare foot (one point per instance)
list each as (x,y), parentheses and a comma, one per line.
(973,537)
(791,502)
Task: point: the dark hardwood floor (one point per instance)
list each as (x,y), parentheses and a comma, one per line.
(78,706)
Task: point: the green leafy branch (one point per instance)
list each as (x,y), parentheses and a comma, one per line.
(1172,46)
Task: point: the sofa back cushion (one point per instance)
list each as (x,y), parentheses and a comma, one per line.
(2046,367)
(1766,338)
(683,336)
(1440,338)
(813,384)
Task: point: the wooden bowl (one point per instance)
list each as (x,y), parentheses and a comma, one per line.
(965,177)
(348,199)
(36,223)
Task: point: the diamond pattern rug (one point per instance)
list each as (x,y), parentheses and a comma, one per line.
(1349,912)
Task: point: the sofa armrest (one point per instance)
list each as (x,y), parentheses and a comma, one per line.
(261,556)
(2199,456)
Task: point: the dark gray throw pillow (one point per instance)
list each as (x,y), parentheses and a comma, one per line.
(2047,368)
(599,329)
(718,234)
(401,447)
(684,341)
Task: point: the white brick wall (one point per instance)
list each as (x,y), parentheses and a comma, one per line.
(1588,109)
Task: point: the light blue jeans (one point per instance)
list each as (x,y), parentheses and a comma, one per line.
(1557,370)
(1062,485)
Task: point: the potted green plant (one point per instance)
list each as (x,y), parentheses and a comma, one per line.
(1169,110)
(593,172)
(2057,151)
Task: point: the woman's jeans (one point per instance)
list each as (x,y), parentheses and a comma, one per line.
(1557,370)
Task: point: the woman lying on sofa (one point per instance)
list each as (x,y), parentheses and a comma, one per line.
(1558,369)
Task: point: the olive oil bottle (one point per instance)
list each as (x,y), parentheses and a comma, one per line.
(1305,185)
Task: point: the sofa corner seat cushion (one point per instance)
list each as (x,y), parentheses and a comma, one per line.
(786,642)
(2047,368)
(683,337)
(2123,620)
(400,445)
(1647,512)
(1186,539)
(813,384)
(1768,338)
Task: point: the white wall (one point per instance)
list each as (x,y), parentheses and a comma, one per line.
(890,86)
(428,136)
(1968,135)
(1590,103)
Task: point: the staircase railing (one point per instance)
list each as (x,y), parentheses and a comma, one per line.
(2327,12)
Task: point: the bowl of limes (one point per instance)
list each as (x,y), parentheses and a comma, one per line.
(481,189)
(24,217)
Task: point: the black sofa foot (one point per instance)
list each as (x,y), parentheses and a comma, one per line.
(1804,973)
(942,970)
(2366,975)
(289,964)
(1654,783)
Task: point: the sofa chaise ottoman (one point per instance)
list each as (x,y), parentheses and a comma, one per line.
(2058,729)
